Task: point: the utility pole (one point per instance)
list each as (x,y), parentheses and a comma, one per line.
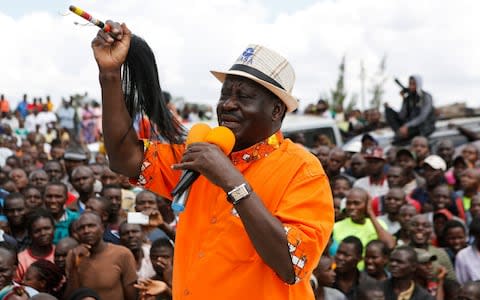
(363,76)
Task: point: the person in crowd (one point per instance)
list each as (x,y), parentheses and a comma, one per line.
(38,178)
(421,148)
(454,178)
(348,277)
(401,285)
(83,181)
(55,197)
(420,234)
(358,166)
(376,260)
(113,265)
(323,278)
(470,186)
(335,163)
(40,226)
(74,157)
(455,237)
(467,261)
(469,291)
(375,183)
(103,208)
(322,152)
(54,170)
(113,193)
(19,177)
(61,251)
(33,197)
(131,236)
(45,277)
(370,290)
(341,186)
(15,210)
(405,214)
(408,161)
(361,221)
(443,198)
(470,153)
(417,115)
(146,202)
(109,177)
(474,211)
(8,267)
(446,150)
(394,199)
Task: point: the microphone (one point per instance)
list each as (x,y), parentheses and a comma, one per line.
(220,136)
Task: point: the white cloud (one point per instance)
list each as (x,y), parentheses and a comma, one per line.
(44,53)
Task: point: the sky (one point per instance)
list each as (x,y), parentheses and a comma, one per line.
(44,53)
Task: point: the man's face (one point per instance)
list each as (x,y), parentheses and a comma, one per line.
(432,176)
(89,229)
(420,230)
(97,171)
(55,199)
(322,153)
(420,147)
(346,258)
(83,181)
(356,206)
(7,268)
(15,211)
(405,214)
(161,256)
(425,270)
(39,180)
(19,177)
(61,252)
(412,85)
(469,179)
(33,198)
(145,201)
(109,177)
(42,232)
(475,207)
(407,162)
(395,177)
(394,199)
(456,239)
(358,166)
(131,236)
(446,150)
(57,152)
(470,153)
(70,165)
(94,205)
(324,272)
(470,291)
(375,166)
(249,110)
(375,260)
(441,197)
(115,197)
(54,171)
(400,266)
(336,160)
(341,188)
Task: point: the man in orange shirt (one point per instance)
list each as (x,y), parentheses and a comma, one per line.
(256,221)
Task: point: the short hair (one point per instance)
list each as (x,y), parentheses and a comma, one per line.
(353,240)
(367,286)
(13,196)
(34,172)
(381,244)
(343,177)
(37,214)
(475,228)
(50,273)
(453,224)
(10,249)
(411,253)
(162,242)
(109,187)
(57,183)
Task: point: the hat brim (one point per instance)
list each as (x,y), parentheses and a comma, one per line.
(290,101)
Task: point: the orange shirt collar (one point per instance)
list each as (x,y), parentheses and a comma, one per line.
(257,151)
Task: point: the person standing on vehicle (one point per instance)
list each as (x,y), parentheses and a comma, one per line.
(417,115)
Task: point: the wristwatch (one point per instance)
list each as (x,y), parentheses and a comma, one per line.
(239,193)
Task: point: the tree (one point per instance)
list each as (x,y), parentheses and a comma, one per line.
(339,94)
(378,84)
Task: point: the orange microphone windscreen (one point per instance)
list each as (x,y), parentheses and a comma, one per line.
(222,137)
(198,133)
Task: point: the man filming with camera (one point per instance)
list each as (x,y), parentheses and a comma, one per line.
(417,115)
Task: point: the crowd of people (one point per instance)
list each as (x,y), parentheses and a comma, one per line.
(407,222)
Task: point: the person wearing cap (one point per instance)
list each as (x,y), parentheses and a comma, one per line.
(417,115)
(432,277)
(375,183)
(257,221)
(408,160)
(401,285)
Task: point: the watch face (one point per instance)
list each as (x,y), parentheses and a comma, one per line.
(239,193)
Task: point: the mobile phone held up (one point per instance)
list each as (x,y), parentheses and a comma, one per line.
(137,218)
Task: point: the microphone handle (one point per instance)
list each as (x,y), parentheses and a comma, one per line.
(186,180)
(179,201)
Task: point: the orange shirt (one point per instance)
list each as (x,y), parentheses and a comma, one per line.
(214,257)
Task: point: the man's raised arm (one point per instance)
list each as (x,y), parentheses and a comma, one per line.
(124,150)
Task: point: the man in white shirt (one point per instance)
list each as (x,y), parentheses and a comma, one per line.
(376,183)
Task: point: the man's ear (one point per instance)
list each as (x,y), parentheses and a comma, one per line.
(279,110)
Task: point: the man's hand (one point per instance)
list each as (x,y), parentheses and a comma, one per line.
(79,252)
(403,131)
(111,49)
(208,160)
(167,267)
(149,287)
(369,209)
(155,218)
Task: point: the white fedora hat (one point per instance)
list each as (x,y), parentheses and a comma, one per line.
(269,69)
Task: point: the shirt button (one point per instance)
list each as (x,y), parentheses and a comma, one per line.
(213,220)
(186,292)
